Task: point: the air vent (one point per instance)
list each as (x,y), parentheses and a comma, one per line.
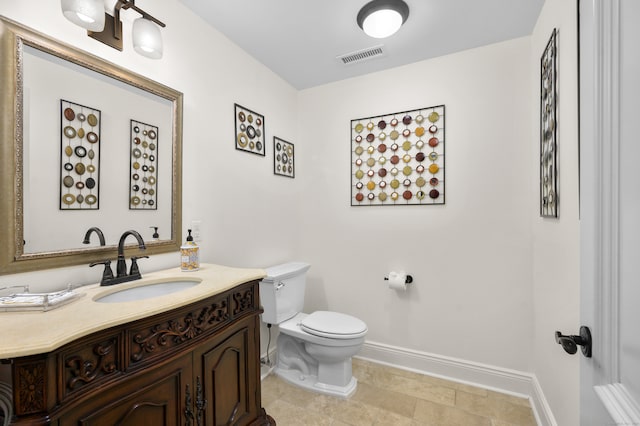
(362,55)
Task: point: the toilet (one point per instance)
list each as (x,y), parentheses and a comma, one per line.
(314,350)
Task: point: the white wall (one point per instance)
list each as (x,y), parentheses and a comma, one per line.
(471,258)
(248,214)
(556,242)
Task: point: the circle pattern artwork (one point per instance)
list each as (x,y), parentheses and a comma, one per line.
(80,150)
(249,131)
(143,176)
(410,171)
(284,157)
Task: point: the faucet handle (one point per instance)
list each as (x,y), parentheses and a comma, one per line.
(108,273)
(134,264)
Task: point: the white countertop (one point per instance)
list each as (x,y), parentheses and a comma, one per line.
(30,333)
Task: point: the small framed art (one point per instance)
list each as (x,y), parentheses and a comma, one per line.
(249,131)
(283,158)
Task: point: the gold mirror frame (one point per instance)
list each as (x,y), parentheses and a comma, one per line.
(13,37)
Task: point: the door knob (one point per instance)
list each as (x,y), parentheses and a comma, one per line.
(570,343)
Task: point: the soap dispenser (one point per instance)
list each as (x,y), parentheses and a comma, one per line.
(155,236)
(190,255)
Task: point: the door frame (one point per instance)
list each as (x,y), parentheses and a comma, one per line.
(599,22)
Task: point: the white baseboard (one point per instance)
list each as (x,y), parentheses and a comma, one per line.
(485,376)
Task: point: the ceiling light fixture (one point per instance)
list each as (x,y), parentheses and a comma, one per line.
(382,18)
(147,39)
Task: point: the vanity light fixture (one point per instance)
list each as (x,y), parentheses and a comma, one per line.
(147,39)
(382,18)
(87,14)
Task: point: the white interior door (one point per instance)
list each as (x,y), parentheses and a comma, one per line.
(610,209)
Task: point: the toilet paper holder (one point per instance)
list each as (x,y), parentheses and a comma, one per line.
(408,279)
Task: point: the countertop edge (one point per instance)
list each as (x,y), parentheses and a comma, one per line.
(27,334)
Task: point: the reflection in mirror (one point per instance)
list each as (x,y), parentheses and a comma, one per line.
(55,153)
(50,226)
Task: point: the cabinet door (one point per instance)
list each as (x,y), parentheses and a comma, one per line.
(153,398)
(226,370)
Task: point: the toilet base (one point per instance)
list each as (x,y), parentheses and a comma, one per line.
(310,382)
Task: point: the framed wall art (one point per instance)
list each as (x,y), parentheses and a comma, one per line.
(143,176)
(283,158)
(79,156)
(548,127)
(399,158)
(249,130)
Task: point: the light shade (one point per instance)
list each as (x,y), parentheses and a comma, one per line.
(382,18)
(147,39)
(88,14)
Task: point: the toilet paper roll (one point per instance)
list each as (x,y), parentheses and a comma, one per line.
(397,281)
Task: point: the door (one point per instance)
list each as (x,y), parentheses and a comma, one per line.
(610,209)
(226,370)
(156,397)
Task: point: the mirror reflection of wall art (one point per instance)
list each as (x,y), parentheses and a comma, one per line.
(398,158)
(249,133)
(548,126)
(283,158)
(143,179)
(79,156)
(36,72)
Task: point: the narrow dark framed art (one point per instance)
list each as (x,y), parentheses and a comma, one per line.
(143,176)
(548,129)
(79,156)
(249,130)
(283,158)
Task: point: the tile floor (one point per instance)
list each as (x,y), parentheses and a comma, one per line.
(394,397)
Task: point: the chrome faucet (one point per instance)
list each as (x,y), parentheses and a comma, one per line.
(97,231)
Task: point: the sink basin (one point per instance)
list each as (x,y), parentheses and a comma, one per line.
(147,291)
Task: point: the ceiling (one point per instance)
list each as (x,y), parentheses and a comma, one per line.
(300,40)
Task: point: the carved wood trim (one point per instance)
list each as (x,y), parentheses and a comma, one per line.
(244,301)
(81,369)
(168,334)
(188,410)
(171,333)
(201,403)
(31,384)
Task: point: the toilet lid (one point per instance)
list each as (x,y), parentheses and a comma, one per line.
(333,325)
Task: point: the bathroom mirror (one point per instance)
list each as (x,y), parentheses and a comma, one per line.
(41,78)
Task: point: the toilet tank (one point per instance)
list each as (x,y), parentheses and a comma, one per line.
(282,291)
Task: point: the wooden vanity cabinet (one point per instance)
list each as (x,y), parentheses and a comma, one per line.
(195,365)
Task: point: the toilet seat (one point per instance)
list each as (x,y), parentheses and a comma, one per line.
(333,325)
